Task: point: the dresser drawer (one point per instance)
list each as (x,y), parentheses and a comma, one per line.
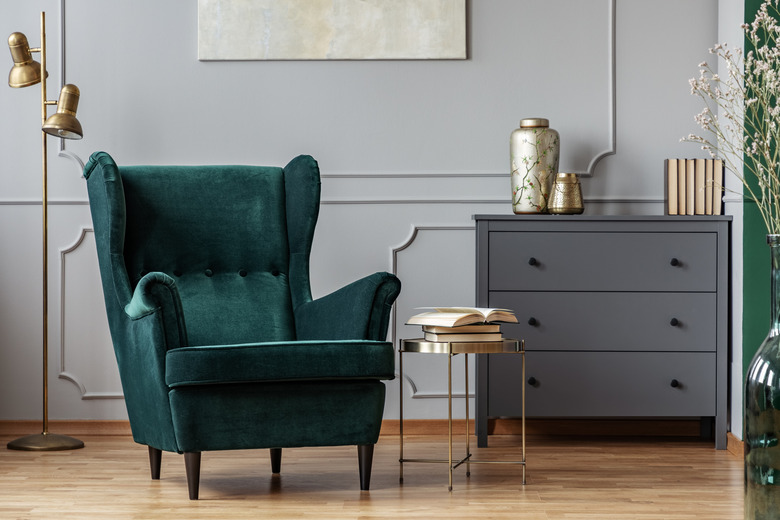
(611,320)
(604,384)
(602,261)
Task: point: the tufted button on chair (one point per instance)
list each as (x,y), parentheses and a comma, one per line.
(214,361)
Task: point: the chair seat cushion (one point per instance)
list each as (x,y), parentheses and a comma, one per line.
(279,361)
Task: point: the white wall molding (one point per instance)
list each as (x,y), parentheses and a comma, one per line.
(497,200)
(399,200)
(414,175)
(86,394)
(411,200)
(611,149)
(77,161)
(396,252)
(611,122)
(416,394)
(38,203)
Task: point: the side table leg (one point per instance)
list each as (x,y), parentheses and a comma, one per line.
(449,416)
(401,415)
(523,404)
(468,434)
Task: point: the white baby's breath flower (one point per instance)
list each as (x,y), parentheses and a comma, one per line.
(740,114)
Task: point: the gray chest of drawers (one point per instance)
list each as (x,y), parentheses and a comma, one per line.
(622,316)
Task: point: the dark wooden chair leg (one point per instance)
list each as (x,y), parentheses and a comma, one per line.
(155,461)
(365,458)
(276,460)
(192,467)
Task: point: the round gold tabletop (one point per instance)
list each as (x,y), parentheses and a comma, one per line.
(456,347)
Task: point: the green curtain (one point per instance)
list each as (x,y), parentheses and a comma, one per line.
(755,258)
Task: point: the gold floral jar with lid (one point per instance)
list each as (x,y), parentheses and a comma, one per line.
(533,149)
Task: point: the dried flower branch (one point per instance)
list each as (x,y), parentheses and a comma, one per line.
(741,112)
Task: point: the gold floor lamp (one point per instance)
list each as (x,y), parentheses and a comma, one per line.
(64,124)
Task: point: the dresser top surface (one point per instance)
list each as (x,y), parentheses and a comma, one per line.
(606,218)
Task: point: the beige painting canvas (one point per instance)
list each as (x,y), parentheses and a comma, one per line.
(331,29)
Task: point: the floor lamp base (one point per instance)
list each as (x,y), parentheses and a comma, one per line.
(45,442)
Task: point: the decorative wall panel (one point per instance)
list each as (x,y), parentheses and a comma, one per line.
(436,266)
(86,352)
(401,144)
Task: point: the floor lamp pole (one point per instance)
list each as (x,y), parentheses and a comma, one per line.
(45,441)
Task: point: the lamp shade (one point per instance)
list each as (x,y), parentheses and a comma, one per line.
(64,123)
(25,71)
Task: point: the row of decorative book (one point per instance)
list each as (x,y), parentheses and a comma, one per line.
(462,324)
(694,186)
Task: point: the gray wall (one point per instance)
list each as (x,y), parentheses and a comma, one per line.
(409,151)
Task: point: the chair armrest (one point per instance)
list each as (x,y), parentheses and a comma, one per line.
(360,310)
(157,293)
(152,325)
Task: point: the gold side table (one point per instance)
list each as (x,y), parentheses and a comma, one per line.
(421,346)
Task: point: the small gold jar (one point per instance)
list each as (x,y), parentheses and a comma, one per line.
(566,195)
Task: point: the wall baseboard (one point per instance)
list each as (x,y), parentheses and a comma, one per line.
(735,446)
(567,427)
(75,428)
(575,427)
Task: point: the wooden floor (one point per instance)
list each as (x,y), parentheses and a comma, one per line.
(568,478)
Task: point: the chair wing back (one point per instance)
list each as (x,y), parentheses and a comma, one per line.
(222,233)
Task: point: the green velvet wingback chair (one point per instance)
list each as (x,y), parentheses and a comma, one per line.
(205,273)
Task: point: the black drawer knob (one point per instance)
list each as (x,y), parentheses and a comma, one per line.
(532,381)
(675,383)
(533,322)
(675,262)
(533,261)
(674,322)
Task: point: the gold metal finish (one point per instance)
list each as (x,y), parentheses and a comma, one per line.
(45,442)
(485,347)
(449,416)
(401,413)
(64,123)
(25,71)
(20,51)
(420,346)
(566,195)
(534,122)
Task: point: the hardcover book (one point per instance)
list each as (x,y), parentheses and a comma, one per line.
(455,338)
(483,328)
(457,316)
(693,186)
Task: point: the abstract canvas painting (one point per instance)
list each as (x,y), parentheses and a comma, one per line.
(331,29)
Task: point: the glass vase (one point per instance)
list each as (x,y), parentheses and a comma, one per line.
(762,412)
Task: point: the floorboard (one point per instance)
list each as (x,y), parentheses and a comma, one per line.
(568,478)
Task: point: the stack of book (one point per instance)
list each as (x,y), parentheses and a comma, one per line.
(461,324)
(694,186)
